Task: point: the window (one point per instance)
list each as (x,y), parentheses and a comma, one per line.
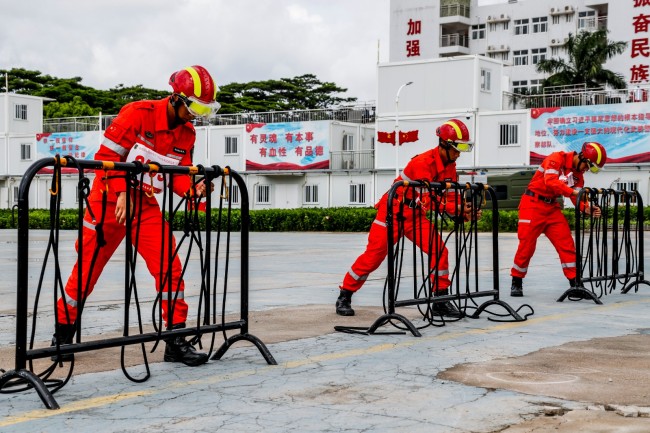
(627,186)
(540,24)
(263,194)
(536,85)
(556,19)
(233,196)
(538,54)
(503,56)
(521,27)
(231,145)
(486,80)
(587,20)
(16,195)
(508,135)
(555,51)
(21,112)
(519,86)
(358,193)
(25,151)
(311,194)
(478,31)
(520,57)
(348,142)
(505,25)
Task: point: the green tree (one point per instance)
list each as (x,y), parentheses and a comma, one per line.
(587,52)
(71,98)
(300,93)
(75,108)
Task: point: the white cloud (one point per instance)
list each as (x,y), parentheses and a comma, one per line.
(142,42)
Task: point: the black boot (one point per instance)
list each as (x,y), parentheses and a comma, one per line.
(517,288)
(572,282)
(63,334)
(177,349)
(446,309)
(344,303)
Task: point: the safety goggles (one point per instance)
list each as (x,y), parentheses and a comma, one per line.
(592,167)
(198,109)
(461,147)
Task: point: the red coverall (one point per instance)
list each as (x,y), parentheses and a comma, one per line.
(426,166)
(143,123)
(555,177)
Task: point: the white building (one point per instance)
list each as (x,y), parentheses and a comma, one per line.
(450,53)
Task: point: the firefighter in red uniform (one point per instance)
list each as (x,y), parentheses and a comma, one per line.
(144,131)
(560,174)
(435,165)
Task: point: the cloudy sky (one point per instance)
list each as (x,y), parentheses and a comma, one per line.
(130,42)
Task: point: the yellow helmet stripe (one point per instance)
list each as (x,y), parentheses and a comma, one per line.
(459,133)
(197,81)
(600,154)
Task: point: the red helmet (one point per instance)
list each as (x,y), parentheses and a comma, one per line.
(595,155)
(196,89)
(455,133)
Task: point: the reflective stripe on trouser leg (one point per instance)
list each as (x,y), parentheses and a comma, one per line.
(375,253)
(114,233)
(559,233)
(532,222)
(152,245)
(422,236)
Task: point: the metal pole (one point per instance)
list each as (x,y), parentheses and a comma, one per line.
(397,127)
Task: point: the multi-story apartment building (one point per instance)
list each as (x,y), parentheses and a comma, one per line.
(520,33)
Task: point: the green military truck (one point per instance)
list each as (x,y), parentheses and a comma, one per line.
(509,188)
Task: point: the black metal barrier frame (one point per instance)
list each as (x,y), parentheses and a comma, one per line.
(213,276)
(596,268)
(452,232)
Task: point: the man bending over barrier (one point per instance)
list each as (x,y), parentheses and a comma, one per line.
(144,131)
(435,165)
(560,174)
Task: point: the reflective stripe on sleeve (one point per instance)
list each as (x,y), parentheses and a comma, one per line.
(569,265)
(120,150)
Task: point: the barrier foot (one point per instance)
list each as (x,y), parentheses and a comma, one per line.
(382,320)
(627,288)
(33,381)
(579,293)
(511,311)
(248,337)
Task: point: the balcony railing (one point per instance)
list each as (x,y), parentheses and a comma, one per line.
(454,40)
(454,10)
(352,160)
(361,113)
(575,96)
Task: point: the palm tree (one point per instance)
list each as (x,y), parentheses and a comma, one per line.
(588,51)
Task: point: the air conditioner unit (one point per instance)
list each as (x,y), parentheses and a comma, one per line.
(552,10)
(503,16)
(567,8)
(348,165)
(553,41)
(503,47)
(489,18)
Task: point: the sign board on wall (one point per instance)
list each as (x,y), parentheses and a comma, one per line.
(81,145)
(621,128)
(287,146)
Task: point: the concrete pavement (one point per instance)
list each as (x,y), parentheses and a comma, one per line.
(328,382)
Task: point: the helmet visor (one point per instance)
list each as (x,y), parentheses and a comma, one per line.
(462,146)
(200,109)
